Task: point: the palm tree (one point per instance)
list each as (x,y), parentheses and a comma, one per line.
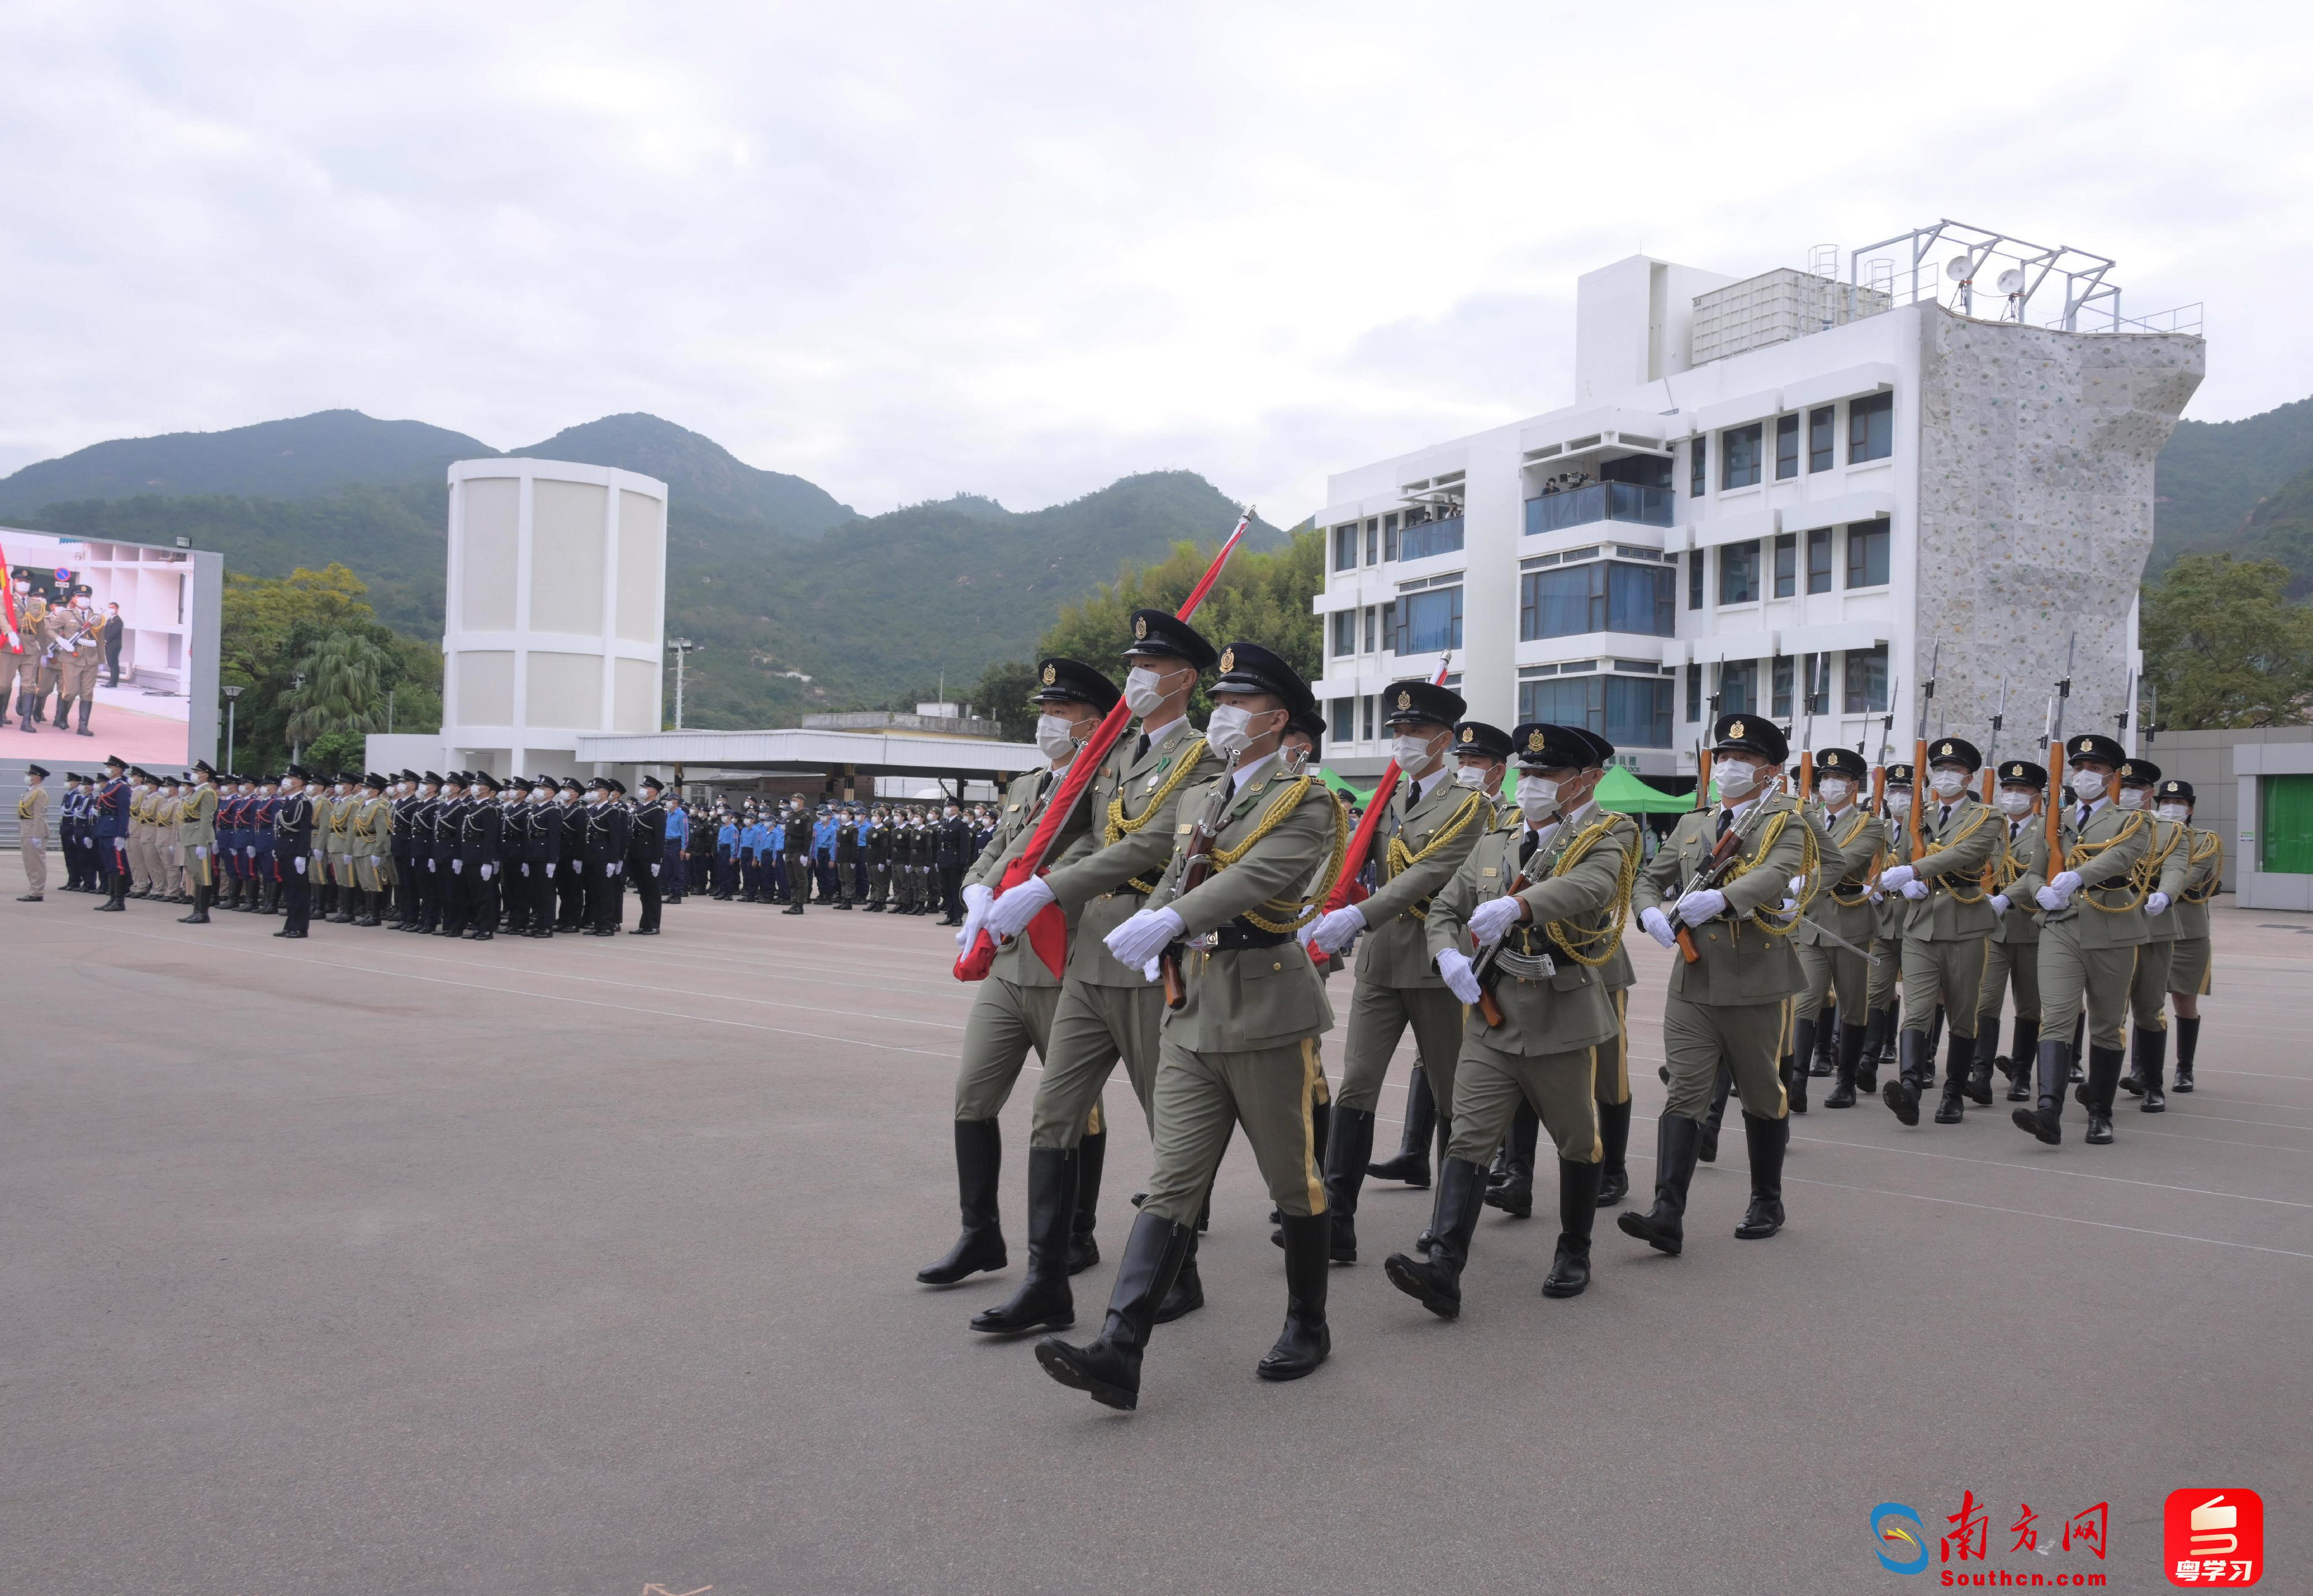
(338,687)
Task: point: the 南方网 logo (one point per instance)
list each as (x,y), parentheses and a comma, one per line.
(1903,1537)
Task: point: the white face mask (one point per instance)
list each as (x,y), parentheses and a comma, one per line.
(2089,784)
(2132,798)
(1734,779)
(1412,754)
(1471,776)
(1229,731)
(1948,784)
(1899,803)
(1537,800)
(1144,690)
(2177,812)
(2014,803)
(1056,737)
(1834,791)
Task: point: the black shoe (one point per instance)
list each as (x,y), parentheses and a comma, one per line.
(1306,1341)
(1578,1208)
(2046,1120)
(2151,1065)
(792,909)
(1411,1164)
(2104,1065)
(1614,1140)
(979,1160)
(1951,1110)
(1767,1139)
(1108,1368)
(1434,1278)
(1678,1140)
(1043,1301)
(1903,1093)
(2099,1131)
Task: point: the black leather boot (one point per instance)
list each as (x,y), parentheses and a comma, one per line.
(1707,1147)
(1043,1301)
(1411,1164)
(2188,1043)
(1903,1093)
(83,719)
(1092,1159)
(1852,1040)
(1578,1207)
(116,902)
(979,1160)
(1434,1278)
(1826,1062)
(2150,1068)
(2104,1064)
(200,914)
(2023,1060)
(1514,1195)
(2046,1120)
(1306,1341)
(1108,1367)
(1187,1293)
(2132,1083)
(1663,1227)
(1795,1071)
(1614,1142)
(2079,1077)
(1959,1070)
(1767,1138)
(1889,1036)
(1349,1146)
(1985,1058)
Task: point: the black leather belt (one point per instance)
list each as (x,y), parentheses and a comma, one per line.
(1235,937)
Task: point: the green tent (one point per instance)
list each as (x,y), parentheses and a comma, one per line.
(1625,794)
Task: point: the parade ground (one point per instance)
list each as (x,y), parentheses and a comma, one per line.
(373,1264)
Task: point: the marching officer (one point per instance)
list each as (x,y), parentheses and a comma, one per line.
(1841,908)
(293,848)
(2091,925)
(2165,869)
(2191,969)
(1242,1047)
(1889,911)
(1731,989)
(1944,929)
(2012,954)
(646,854)
(1432,824)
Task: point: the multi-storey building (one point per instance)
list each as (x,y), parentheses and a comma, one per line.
(1789,494)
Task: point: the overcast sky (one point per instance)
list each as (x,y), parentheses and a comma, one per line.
(906,250)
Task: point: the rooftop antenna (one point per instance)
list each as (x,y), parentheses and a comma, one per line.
(2011,284)
(1961,269)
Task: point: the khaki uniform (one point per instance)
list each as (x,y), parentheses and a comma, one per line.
(2167,867)
(1851,842)
(2189,969)
(1733,1005)
(1944,932)
(2012,954)
(80,649)
(32,836)
(20,672)
(196,836)
(2087,947)
(1106,1012)
(340,844)
(373,824)
(168,840)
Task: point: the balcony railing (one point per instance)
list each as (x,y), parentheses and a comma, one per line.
(1425,538)
(1600,501)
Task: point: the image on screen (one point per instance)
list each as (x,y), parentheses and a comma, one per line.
(128,642)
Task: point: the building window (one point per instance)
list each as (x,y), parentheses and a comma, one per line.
(1698,468)
(1372,543)
(1345,547)
(1785,679)
(1870,427)
(1694,580)
(1371,643)
(1739,448)
(1821,424)
(1344,719)
(1429,623)
(1695,692)
(1787,564)
(1819,560)
(1389,624)
(1630,711)
(1604,595)
(1345,632)
(1738,687)
(1389,536)
(1866,554)
(1365,718)
(1739,574)
(1867,681)
(1787,447)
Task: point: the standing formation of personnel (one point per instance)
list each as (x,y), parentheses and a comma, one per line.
(53,650)
(845,854)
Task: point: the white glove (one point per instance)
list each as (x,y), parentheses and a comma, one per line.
(1915,890)
(2000,904)
(1009,915)
(979,895)
(485,872)
(1696,907)
(2051,899)
(200,852)
(1656,924)
(251,851)
(1338,930)
(1305,935)
(549,869)
(429,867)
(2068,883)
(2157,904)
(301,864)
(1150,972)
(654,872)
(1461,980)
(1489,920)
(1799,886)
(457,867)
(1895,877)
(1145,936)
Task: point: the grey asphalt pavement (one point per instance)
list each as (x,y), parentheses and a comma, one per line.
(377,1263)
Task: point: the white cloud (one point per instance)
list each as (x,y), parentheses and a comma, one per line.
(1023,250)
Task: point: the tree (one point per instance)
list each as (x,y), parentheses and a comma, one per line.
(1003,696)
(2223,645)
(337,687)
(319,625)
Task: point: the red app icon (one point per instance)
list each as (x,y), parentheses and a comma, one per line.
(2213,1538)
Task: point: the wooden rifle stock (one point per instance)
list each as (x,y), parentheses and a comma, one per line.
(1919,794)
(1487,1004)
(2055,866)
(1722,858)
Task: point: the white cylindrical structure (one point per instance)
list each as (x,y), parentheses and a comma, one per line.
(554,618)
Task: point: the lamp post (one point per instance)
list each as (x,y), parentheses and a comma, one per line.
(231,693)
(295,682)
(683,648)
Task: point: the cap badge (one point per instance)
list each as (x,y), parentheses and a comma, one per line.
(1469,734)
(1228,660)
(1051,675)
(1140,629)
(1536,741)
(1735,732)
(1947,748)
(1406,700)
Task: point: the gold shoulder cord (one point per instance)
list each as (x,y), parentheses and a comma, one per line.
(2201,854)
(1402,859)
(1983,818)
(1775,922)
(1863,892)
(1578,941)
(1297,911)
(1119,827)
(2082,852)
(2148,868)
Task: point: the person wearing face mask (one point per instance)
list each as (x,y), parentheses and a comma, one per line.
(646,855)
(1242,1049)
(1733,1004)
(21,644)
(1432,825)
(1949,917)
(1011,1012)
(795,846)
(2190,967)
(2012,954)
(293,848)
(1556,935)
(2167,867)
(77,643)
(415,826)
(2091,926)
(481,838)
(1109,1012)
(953,854)
(1852,841)
(1888,909)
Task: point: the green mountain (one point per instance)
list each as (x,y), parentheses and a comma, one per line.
(701,473)
(2212,476)
(292,459)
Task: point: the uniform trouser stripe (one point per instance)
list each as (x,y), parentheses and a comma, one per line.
(1313,1076)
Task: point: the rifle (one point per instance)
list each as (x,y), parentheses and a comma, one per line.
(1048,932)
(1991,749)
(1361,842)
(1196,866)
(1920,749)
(1709,873)
(1483,969)
(2057,763)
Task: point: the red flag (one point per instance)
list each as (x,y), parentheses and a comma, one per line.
(1361,840)
(12,635)
(1048,932)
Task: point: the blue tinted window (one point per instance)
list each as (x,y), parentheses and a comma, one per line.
(1740,447)
(1429,623)
(1871,427)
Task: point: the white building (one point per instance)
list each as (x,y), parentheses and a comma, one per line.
(1787,480)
